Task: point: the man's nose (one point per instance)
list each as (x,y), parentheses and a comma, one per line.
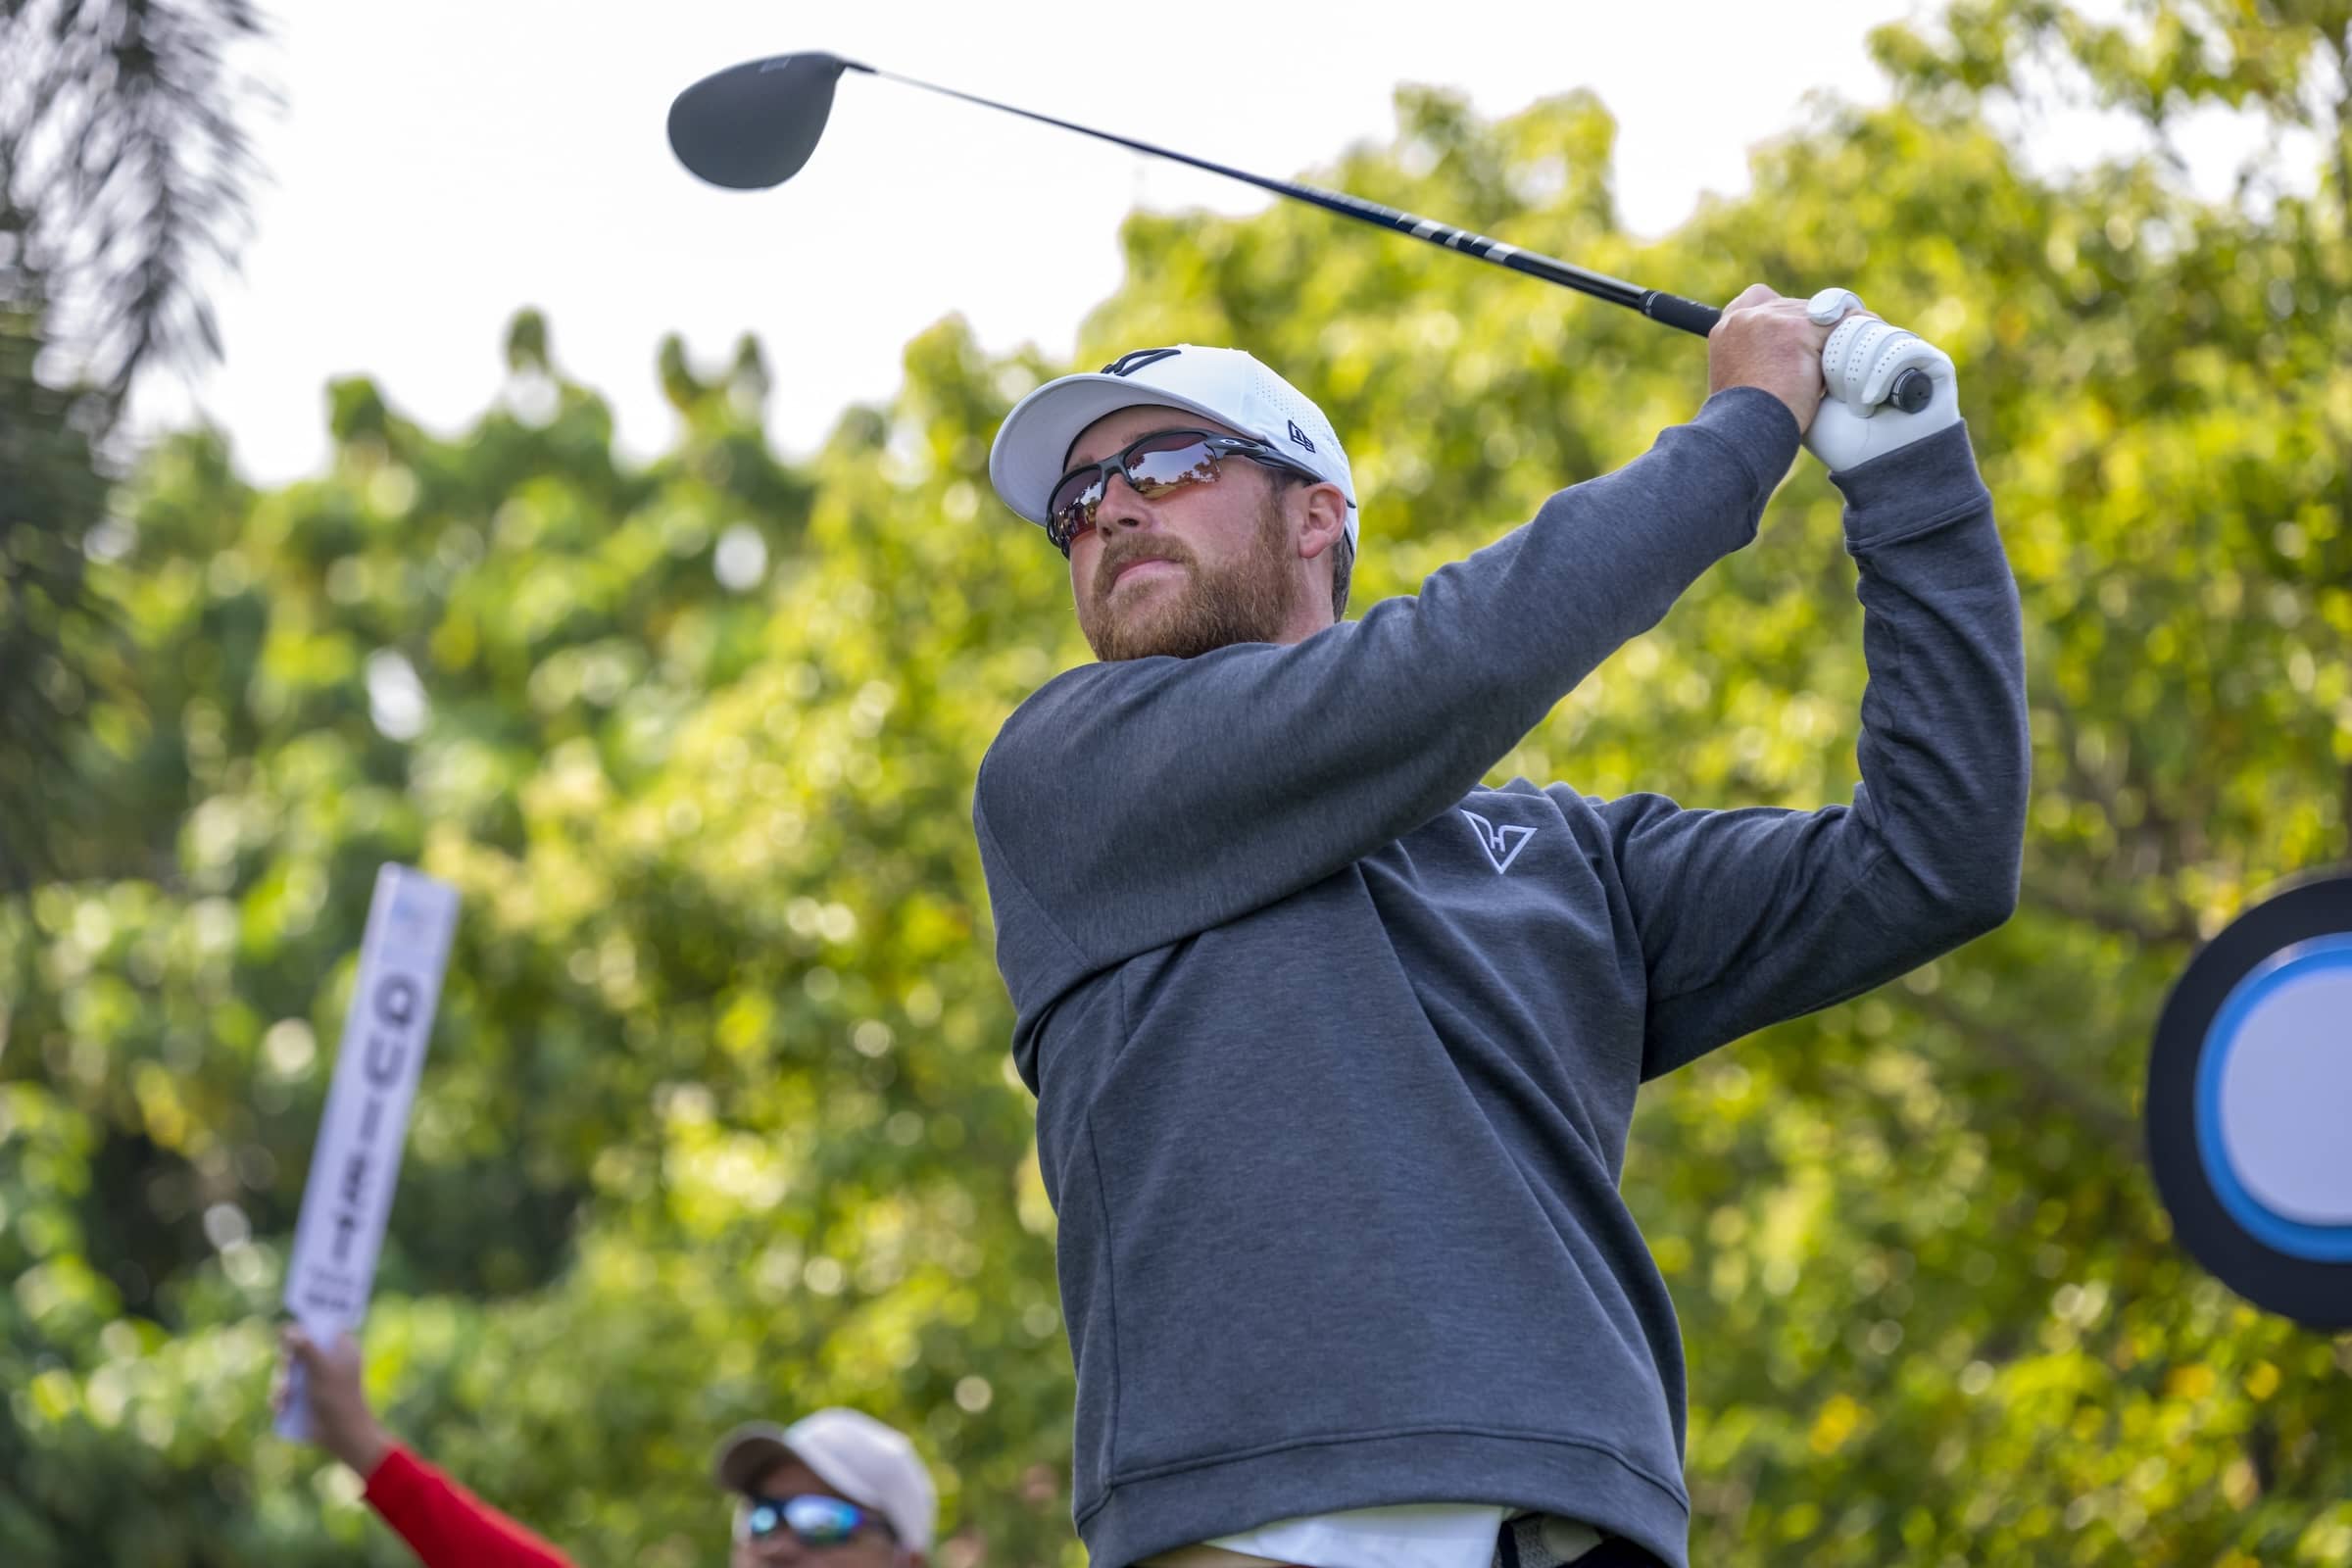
(781,1550)
(1121,507)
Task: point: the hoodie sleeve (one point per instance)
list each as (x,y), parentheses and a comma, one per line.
(1747,917)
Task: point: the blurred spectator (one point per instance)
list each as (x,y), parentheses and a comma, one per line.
(836,1487)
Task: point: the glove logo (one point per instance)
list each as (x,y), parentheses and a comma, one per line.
(1501,844)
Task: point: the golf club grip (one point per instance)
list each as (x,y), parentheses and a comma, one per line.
(1674,311)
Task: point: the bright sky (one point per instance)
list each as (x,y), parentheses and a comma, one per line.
(439,164)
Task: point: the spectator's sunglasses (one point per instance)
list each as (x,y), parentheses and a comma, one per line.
(1156,465)
(814,1520)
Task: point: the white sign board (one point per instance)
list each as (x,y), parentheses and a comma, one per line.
(356,1160)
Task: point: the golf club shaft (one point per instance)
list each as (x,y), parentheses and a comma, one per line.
(1672,310)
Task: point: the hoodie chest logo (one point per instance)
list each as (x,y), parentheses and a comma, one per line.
(1501,844)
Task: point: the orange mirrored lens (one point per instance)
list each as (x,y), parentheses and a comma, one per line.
(1155,472)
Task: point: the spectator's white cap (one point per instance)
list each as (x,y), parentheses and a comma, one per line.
(1226,385)
(871,1464)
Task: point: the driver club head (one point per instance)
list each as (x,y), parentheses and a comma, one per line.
(752,125)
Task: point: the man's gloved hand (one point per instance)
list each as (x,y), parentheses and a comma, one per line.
(1863,364)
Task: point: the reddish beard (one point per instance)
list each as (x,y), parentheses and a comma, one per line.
(1247,600)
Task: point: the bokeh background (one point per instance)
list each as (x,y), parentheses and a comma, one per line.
(718,1120)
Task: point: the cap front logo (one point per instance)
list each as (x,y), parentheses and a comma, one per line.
(1130,363)
(1300,436)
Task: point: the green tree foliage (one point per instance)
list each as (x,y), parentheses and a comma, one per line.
(717,1120)
(123,167)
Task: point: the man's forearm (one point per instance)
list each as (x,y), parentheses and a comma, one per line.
(1944,747)
(364,1447)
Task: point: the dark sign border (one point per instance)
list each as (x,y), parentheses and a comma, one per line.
(2313,1292)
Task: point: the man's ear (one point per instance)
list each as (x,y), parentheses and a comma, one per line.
(1326,521)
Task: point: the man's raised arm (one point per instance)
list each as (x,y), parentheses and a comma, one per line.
(1127,805)
(1750,916)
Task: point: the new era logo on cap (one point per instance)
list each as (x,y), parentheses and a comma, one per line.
(1300,436)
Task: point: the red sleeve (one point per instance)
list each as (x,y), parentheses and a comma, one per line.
(447,1526)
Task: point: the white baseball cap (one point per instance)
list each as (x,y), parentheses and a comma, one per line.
(871,1464)
(1226,385)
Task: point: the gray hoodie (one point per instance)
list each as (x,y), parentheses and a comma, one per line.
(1335,1050)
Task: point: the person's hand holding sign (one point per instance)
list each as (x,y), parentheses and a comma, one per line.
(340,1421)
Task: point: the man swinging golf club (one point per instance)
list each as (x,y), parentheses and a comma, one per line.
(1333,1047)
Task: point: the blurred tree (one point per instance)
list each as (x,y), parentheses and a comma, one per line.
(717,1120)
(122,173)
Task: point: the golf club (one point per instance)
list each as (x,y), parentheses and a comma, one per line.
(752,125)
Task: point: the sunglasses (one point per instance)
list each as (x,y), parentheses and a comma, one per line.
(1154,466)
(814,1520)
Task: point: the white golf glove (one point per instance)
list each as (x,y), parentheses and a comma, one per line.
(1863,362)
